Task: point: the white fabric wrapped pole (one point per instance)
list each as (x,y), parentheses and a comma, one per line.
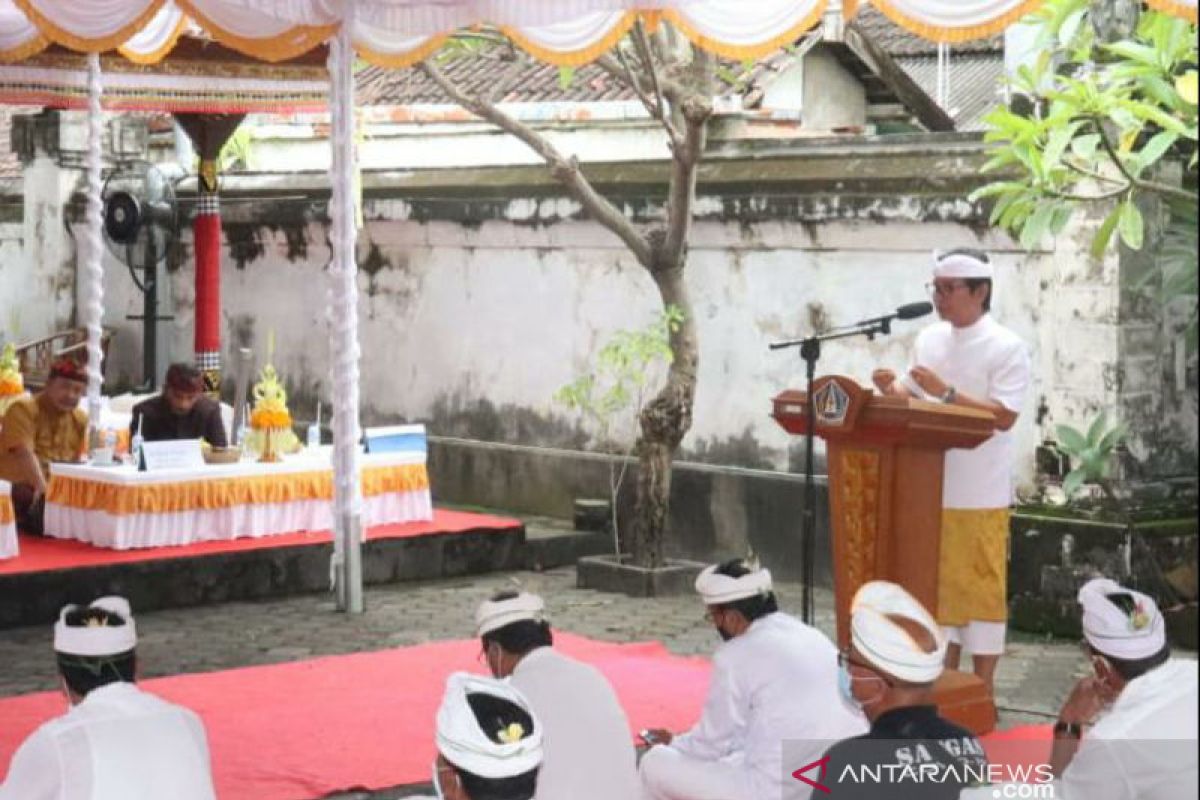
(93,253)
(343,279)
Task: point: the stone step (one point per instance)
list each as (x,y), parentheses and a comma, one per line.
(551,543)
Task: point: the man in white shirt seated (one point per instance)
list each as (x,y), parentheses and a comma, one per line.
(489,742)
(1139,702)
(116,742)
(774,681)
(589,745)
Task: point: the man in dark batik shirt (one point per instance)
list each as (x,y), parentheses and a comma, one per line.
(181,411)
(896,654)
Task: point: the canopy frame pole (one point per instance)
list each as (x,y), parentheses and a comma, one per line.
(343,288)
(92,305)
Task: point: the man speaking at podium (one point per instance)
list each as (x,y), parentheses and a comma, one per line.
(969,359)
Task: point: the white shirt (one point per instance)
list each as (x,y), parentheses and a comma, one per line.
(589,753)
(118,743)
(1144,746)
(774,688)
(989,362)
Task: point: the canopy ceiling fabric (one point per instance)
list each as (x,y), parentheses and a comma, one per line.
(396,33)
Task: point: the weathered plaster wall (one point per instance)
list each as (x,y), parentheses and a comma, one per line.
(37,257)
(473,325)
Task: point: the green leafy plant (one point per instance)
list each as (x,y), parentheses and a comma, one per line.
(1106,117)
(1091,453)
(612,393)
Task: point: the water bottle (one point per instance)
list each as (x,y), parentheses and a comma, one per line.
(313,435)
(135,445)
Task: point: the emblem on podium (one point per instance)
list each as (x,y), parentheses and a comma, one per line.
(831,404)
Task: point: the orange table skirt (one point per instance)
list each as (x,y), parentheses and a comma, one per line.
(159,498)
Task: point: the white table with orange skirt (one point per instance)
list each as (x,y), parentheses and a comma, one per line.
(8,522)
(120,508)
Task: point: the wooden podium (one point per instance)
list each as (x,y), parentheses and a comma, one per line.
(885,460)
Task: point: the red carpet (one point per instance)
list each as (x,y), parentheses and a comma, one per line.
(41,555)
(305,729)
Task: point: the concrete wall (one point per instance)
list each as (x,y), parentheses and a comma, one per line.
(479,302)
(833,98)
(716,512)
(37,257)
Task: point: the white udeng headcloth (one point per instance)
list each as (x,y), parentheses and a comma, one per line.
(467,746)
(1118,633)
(493,614)
(720,589)
(884,643)
(96,640)
(960,265)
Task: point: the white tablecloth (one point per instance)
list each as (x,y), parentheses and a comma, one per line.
(8,523)
(117,507)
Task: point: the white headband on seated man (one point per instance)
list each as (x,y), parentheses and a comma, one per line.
(887,645)
(466,745)
(961,265)
(494,614)
(717,589)
(96,640)
(1114,631)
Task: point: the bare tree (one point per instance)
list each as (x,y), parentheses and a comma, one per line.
(675,83)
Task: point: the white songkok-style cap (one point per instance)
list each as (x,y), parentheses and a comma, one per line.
(887,645)
(96,640)
(960,265)
(467,746)
(1113,631)
(720,589)
(493,614)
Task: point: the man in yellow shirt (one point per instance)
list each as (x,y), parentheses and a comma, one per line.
(50,426)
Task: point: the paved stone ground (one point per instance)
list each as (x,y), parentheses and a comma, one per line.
(1032,680)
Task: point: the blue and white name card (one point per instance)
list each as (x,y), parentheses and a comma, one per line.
(172,454)
(396,439)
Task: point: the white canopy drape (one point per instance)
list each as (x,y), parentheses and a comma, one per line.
(399,32)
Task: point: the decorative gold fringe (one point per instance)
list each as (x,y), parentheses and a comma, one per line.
(68,39)
(161,53)
(405,59)
(751,51)
(289,44)
(951,35)
(23,51)
(1175,8)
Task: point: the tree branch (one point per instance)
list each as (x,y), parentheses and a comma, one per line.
(622,72)
(565,170)
(694,108)
(1164,189)
(643,48)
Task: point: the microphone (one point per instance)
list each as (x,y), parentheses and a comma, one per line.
(914,310)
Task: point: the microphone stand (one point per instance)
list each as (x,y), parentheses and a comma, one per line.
(810,351)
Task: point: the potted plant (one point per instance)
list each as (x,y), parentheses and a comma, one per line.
(1094,521)
(611,395)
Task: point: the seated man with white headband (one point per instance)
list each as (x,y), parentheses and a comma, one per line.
(774,681)
(589,747)
(1143,703)
(489,742)
(116,742)
(970,360)
(895,656)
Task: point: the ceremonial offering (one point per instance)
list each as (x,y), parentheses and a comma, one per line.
(270,421)
(12,385)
